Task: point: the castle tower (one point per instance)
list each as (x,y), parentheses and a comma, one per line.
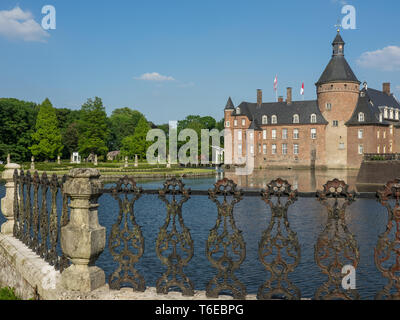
(337,92)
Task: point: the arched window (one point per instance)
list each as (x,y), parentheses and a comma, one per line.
(296,118)
(313,118)
(237,110)
(264,120)
(361,117)
(274,119)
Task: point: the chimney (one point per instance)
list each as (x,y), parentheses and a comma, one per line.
(289,96)
(280,99)
(259,97)
(386,88)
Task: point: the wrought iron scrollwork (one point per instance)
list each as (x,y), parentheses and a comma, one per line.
(44,219)
(336,246)
(33,224)
(174,248)
(231,243)
(388,246)
(126,232)
(277,239)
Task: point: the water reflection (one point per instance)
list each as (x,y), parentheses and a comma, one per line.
(302,180)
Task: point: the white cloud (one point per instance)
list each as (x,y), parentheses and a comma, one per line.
(387,59)
(154,76)
(20,25)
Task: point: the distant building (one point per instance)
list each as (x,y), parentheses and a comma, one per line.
(333,131)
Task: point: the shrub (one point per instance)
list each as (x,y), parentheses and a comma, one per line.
(8,293)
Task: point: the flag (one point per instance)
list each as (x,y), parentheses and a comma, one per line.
(302,89)
(276,83)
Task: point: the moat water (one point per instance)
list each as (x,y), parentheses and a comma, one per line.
(366,220)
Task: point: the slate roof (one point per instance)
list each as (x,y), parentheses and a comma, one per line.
(338,69)
(371,103)
(229,104)
(282,110)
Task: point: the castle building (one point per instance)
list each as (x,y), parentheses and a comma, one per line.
(334,131)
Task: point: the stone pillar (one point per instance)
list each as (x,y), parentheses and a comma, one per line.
(58,159)
(136,161)
(95,159)
(126,162)
(32,163)
(83,239)
(7,203)
(8,159)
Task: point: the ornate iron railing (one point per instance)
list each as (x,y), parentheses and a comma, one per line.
(279,249)
(35,224)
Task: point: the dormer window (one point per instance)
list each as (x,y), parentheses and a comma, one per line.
(397,115)
(380,117)
(296,118)
(385,113)
(237,110)
(313,118)
(274,119)
(361,117)
(391,114)
(264,120)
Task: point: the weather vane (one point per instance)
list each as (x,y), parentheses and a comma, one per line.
(338,25)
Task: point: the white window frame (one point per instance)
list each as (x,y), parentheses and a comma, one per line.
(265,148)
(273,134)
(285,134)
(264,134)
(227,124)
(284,148)
(360,134)
(296,134)
(313,134)
(243,122)
(296,149)
(239,135)
(313,118)
(264,120)
(296,118)
(360,149)
(361,117)
(235,123)
(274,148)
(274,119)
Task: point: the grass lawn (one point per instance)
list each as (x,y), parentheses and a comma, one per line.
(118,169)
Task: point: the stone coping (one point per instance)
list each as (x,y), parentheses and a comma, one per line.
(32,277)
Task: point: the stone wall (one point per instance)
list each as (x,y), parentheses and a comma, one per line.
(378,172)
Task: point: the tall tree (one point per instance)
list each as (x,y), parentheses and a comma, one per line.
(93,128)
(137,144)
(17,123)
(47,142)
(122,122)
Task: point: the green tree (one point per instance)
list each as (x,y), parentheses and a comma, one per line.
(17,123)
(93,128)
(70,138)
(137,144)
(68,124)
(47,142)
(123,122)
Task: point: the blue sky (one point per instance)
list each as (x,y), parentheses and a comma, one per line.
(172,58)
